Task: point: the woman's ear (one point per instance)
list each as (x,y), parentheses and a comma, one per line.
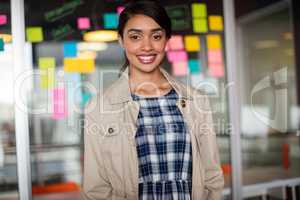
(120,41)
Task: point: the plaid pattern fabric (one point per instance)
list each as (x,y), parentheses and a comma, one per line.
(164,149)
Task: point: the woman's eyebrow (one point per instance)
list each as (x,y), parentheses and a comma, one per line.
(157,29)
(140,31)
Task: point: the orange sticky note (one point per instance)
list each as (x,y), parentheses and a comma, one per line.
(200,25)
(214,41)
(215,23)
(175,43)
(192,43)
(81,65)
(179,68)
(216,70)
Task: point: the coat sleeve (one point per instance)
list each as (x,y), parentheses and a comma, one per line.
(213,178)
(96,185)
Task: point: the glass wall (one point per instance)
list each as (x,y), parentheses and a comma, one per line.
(68,68)
(270,115)
(8,164)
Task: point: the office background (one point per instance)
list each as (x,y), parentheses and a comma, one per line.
(245,54)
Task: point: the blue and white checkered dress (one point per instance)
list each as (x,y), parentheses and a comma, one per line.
(164,149)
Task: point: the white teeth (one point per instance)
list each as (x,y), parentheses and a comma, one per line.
(146,59)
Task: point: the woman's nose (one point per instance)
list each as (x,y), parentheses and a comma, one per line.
(147,45)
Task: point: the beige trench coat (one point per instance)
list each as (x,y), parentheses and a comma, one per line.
(110,155)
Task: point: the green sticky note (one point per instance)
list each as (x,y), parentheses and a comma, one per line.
(47,69)
(199,10)
(46,62)
(1,44)
(194,66)
(34,34)
(200,25)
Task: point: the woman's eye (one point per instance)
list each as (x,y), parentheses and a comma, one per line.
(134,37)
(157,37)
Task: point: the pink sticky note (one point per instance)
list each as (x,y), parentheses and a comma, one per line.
(176,43)
(120,9)
(177,56)
(59,103)
(216,70)
(215,56)
(179,68)
(3,19)
(83,23)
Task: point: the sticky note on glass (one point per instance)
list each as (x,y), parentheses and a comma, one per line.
(83,23)
(47,70)
(192,43)
(215,56)
(214,42)
(110,20)
(120,9)
(175,43)
(86,96)
(3,19)
(179,68)
(194,66)
(199,10)
(59,103)
(1,44)
(80,65)
(200,25)
(70,49)
(177,56)
(216,70)
(215,23)
(34,34)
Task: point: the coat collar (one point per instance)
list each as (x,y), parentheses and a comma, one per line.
(120,90)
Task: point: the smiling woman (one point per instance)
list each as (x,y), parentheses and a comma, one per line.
(149,136)
(144,42)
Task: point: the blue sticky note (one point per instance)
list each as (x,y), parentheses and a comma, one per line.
(73,82)
(1,44)
(111,20)
(70,49)
(194,66)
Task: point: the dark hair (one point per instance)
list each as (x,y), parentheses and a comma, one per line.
(149,8)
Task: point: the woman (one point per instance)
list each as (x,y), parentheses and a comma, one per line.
(149,136)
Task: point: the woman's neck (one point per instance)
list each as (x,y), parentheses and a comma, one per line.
(148,83)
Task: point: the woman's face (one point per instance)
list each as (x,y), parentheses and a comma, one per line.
(144,42)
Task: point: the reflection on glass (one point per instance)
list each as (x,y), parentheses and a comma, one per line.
(270,145)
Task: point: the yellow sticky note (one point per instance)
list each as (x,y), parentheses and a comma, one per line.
(215,23)
(47,70)
(82,65)
(34,34)
(192,43)
(214,41)
(200,25)
(199,10)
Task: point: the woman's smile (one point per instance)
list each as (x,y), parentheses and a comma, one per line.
(146,59)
